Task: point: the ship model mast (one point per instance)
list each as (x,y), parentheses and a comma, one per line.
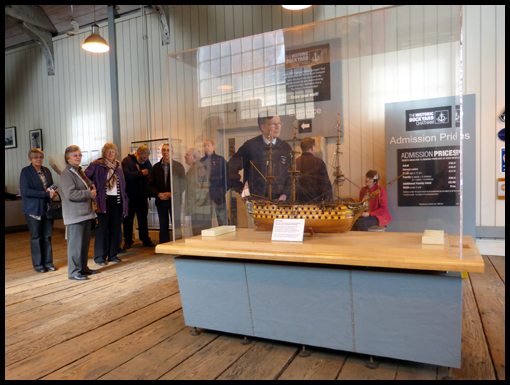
(339,177)
(294,172)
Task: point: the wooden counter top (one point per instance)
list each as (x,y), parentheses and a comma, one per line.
(355,248)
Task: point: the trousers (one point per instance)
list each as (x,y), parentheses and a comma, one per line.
(108,231)
(40,241)
(362,224)
(78,242)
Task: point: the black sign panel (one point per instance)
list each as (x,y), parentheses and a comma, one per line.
(305,126)
(307,74)
(434,179)
(429,118)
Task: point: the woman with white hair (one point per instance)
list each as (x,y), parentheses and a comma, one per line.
(112,201)
(34,182)
(77,194)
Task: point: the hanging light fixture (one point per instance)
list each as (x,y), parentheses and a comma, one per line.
(95,43)
(296,7)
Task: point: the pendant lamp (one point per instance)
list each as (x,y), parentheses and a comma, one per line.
(296,7)
(95,43)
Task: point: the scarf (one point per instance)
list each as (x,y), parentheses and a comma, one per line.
(83,176)
(111,181)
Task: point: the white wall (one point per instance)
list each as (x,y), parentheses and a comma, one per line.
(73,107)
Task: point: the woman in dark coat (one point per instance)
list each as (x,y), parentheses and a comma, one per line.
(34,182)
(106,174)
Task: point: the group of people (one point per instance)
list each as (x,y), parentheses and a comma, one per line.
(108,194)
(114,192)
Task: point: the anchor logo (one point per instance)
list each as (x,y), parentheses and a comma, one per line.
(316,57)
(442,117)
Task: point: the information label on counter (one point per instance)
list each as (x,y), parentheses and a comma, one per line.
(434,179)
(288,230)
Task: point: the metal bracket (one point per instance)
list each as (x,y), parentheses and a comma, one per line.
(164,20)
(44,39)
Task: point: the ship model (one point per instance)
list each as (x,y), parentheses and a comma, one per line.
(325,216)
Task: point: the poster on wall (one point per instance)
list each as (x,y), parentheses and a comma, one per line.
(307,74)
(434,179)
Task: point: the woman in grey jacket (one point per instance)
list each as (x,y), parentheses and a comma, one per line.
(77,194)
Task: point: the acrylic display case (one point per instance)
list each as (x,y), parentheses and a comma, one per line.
(376,91)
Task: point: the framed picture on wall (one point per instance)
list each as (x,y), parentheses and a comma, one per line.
(10,137)
(36,140)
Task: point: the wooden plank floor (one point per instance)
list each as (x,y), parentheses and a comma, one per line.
(126,323)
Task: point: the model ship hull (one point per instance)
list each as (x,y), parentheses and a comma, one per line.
(329,218)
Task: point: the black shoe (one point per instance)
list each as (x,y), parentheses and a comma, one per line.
(101,263)
(127,246)
(40,269)
(78,277)
(149,244)
(122,251)
(115,259)
(51,268)
(90,272)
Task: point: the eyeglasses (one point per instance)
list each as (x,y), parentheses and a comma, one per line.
(38,157)
(76,155)
(273,125)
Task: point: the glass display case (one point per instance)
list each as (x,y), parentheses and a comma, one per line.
(295,123)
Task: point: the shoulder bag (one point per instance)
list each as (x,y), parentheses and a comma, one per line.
(54,209)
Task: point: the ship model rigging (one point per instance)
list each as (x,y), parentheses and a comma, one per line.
(324,216)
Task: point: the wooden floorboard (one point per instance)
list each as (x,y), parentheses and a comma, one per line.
(127,323)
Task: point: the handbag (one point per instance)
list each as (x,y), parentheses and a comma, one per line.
(54,209)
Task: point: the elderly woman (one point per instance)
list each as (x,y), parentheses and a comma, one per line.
(106,173)
(34,182)
(77,194)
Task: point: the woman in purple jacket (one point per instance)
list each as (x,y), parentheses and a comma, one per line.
(106,174)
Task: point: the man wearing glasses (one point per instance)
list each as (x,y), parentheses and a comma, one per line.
(253,158)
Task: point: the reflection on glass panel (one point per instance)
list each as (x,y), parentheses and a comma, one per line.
(269,39)
(335,81)
(270,58)
(236,46)
(247,44)
(237,64)
(258,42)
(225,66)
(258,58)
(215,51)
(247,61)
(270,76)
(258,78)
(215,67)
(225,49)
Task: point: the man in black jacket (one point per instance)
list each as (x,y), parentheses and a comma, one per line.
(136,168)
(253,158)
(216,167)
(167,192)
(314,184)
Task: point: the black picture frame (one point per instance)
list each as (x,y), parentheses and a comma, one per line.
(11,140)
(36,139)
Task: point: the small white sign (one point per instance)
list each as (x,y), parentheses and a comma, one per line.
(288,230)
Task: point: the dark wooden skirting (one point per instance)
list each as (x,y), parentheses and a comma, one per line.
(126,323)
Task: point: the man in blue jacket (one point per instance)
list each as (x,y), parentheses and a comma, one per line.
(253,158)
(216,167)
